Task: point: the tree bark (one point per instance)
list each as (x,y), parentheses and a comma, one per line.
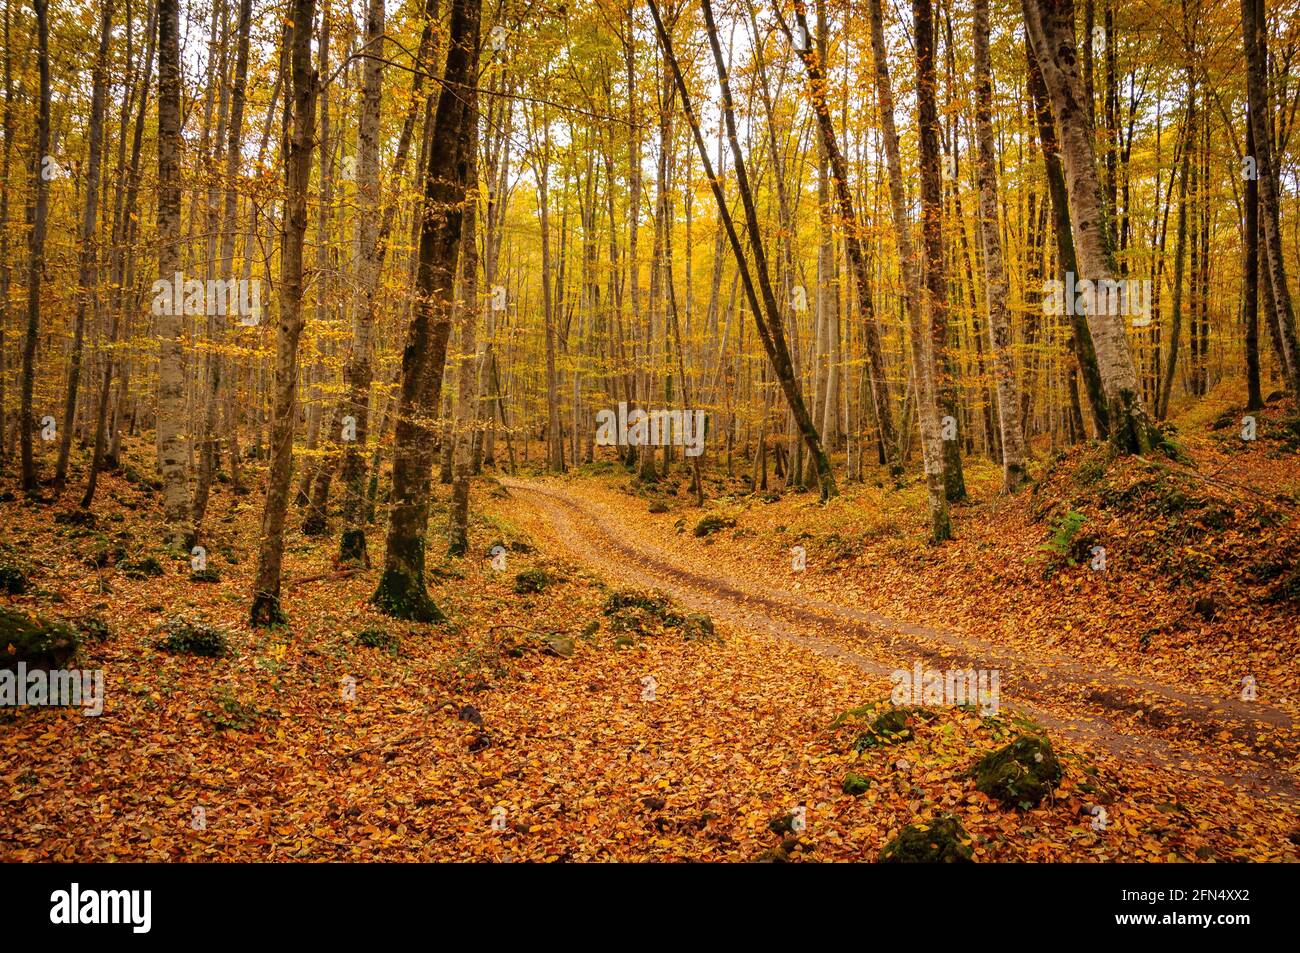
(1050,24)
(299,142)
(401,591)
(995,277)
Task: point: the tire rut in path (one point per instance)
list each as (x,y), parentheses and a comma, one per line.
(878,645)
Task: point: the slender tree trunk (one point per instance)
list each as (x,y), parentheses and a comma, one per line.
(299,142)
(1180,250)
(995,277)
(936,279)
(884,401)
(88,268)
(467,372)
(1250,282)
(767,314)
(922,362)
(170,327)
(38,212)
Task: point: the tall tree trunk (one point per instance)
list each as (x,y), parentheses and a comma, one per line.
(1081,338)
(359,370)
(1050,24)
(467,373)
(1180,249)
(1250,281)
(299,141)
(922,362)
(767,314)
(936,279)
(401,591)
(88,267)
(170,327)
(1254,28)
(995,277)
(884,402)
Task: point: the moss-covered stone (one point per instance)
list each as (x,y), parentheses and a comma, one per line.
(13,580)
(890,727)
(377,638)
(40,643)
(532,580)
(1020,774)
(183,637)
(855,784)
(697,627)
(144,567)
(710,524)
(941,840)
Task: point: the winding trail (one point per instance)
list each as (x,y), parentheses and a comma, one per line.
(1097,706)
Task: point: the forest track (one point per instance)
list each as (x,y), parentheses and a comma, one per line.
(1094,704)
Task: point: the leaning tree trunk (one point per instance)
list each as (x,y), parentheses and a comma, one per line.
(401,591)
(766,314)
(171,326)
(995,277)
(299,143)
(1180,251)
(883,400)
(1050,24)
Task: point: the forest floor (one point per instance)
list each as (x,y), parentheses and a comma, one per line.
(645,680)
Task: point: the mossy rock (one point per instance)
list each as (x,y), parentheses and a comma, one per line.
(94,628)
(378,638)
(532,580)
(207,574)
(855,784)
(1020,774)
(891,727)
(655,603)
(40,643)
(698,627)
(183,637)
(941,840)
(143,568)
(658,506)
(13,580)
(712,523)
(75,518)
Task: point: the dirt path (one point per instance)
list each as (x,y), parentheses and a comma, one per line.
(1238,744)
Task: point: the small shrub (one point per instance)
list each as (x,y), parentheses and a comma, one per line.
(232,714)
(891,727)
(94,628)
